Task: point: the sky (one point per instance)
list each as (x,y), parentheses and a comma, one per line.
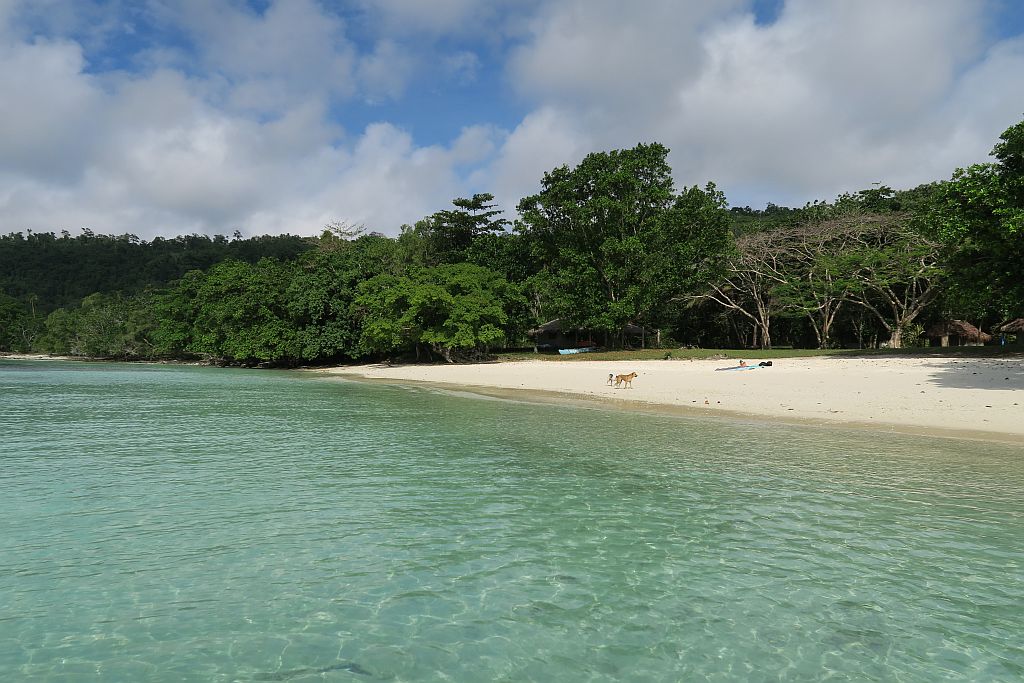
(170,117)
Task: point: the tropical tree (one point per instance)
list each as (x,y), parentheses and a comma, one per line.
(896,273)
(19,325)
(102,326)
(241,313)
(447,236)
(818,276)
(758,268)
(323,289)
(979,217)
(617,243)
(456,311)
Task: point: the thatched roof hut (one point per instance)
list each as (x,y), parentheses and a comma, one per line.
(552,334)
(965,332)
(556,326)
(1013,327)
(550,326)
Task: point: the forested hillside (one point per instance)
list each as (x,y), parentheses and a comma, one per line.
(59,271)
(605,246)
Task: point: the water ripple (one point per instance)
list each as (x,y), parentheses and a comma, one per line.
(179,524)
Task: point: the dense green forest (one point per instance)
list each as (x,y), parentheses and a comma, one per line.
(605,247)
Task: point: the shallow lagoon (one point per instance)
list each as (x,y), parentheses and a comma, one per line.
(179,523)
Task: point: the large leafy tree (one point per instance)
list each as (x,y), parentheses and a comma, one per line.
(895,272)
(980,218)
(240,313)
(322,291)
(456,311)
(448,236)
(618,243)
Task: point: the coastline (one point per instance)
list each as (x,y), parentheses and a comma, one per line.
(35,356)
(977,399)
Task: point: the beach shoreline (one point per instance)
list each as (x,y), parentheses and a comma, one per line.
(976,399)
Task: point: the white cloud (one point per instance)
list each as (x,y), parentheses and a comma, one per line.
(295,49)
(48,110)
(163,160)
(547,138)
(238,126)
(249,145)
(610,54)
(828,98)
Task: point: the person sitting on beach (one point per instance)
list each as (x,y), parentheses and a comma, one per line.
(743,363)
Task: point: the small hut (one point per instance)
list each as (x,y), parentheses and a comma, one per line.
(551,336)
(957,333)
(1014,327)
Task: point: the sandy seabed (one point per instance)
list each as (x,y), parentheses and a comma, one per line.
(962,397)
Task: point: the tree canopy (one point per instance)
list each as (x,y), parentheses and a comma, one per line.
(603,246)
(618,245)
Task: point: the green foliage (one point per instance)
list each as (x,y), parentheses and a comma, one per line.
(241,313)
(61,271)
(19,325)
(617,243)
(602,245)
(102,326)
(324,288)
(979,215)
(873,201)
(509,254)
(448,236)
(458,310)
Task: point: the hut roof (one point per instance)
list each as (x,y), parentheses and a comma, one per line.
(550,326)
(1014,326)
(556,326)
(960,328)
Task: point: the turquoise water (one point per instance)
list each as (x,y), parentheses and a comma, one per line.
(198,524)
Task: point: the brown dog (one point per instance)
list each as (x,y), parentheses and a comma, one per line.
(625,380)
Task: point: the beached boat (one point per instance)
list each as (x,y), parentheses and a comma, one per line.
(585,349)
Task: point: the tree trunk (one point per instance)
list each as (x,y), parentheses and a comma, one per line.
(896,338)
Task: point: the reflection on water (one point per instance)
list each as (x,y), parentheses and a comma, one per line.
(173,523)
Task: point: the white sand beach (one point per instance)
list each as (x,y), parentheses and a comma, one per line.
(972,398)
